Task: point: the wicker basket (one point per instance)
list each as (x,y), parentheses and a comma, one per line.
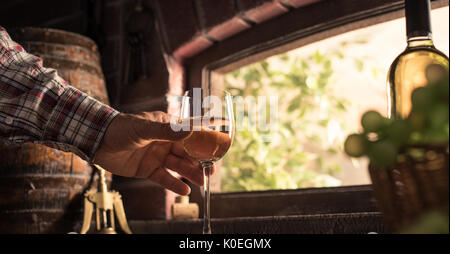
(416,184)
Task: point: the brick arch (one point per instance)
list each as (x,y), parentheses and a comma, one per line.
(188,27)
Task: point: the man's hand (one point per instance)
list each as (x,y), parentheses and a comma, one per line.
(144,146)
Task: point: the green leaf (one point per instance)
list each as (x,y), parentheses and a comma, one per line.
(298,80)
(359,64)
(251,76)
(289,127)
(340,105)
(295,104)
(283,57)
(375,72)
(305,65)
(318,57)
(265,66)
(332,150)
(362,40)
(236,73)
(323,122)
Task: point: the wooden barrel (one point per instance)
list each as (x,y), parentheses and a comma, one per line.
(76,57)
(41,188)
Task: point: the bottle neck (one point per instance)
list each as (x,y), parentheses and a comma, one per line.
(417,13)
(420,41)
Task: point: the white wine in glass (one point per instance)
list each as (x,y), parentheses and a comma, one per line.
(210,119)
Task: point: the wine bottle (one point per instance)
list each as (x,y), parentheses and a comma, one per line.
(418,63)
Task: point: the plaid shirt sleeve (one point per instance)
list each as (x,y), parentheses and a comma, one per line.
(36,105)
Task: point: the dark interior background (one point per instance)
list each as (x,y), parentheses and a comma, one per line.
(105,23)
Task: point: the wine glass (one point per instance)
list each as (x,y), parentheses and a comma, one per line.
(208,115)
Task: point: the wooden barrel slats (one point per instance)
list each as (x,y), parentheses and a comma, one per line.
(75,57)
(34,159)
(40,187)
(39,222)
(36,199)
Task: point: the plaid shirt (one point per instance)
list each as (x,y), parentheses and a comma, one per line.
(36,105)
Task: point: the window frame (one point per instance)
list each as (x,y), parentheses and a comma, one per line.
(308,24)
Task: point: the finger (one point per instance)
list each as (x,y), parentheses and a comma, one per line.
(147,129)
(149,158)
(184,167)
(178,150)
(213,169)
(168,181)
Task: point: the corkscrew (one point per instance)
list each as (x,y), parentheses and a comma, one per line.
(106,204)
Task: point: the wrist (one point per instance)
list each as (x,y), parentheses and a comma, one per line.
(79,120)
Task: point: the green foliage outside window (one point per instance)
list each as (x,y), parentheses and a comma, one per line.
(300,151)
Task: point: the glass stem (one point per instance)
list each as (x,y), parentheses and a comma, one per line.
(207,167)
